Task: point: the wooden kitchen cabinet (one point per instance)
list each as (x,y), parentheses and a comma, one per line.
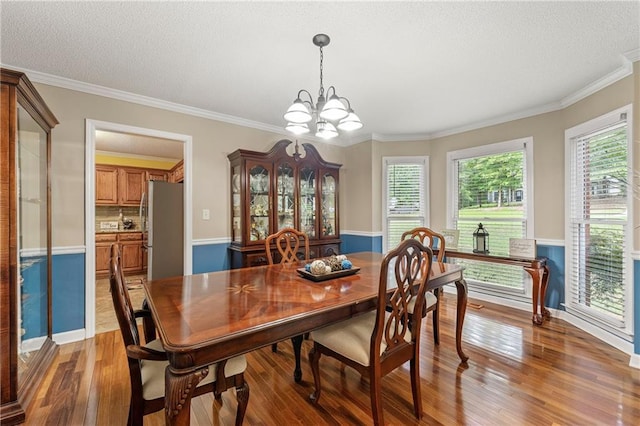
(274,190)
(106,185)
(131,184)
(130,251)
(176,174)
(124,186)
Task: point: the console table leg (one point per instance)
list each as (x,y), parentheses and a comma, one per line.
(537,278)
(461,309)
(543,292)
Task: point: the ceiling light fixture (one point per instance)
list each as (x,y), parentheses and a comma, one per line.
(325,112)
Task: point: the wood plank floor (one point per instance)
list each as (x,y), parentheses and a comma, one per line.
(518,374)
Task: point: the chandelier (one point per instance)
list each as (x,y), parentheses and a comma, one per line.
(325,112)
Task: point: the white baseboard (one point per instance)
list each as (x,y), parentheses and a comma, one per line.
(69,336)
(635,361)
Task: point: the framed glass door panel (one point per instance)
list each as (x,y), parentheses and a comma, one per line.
(236,205)
(285,209)
(308,201)
(32,224)
(328,205)
(259,203)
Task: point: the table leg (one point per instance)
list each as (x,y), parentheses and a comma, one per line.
(543,292)
(178,392)
(537,298)
(297,346)
(461,309)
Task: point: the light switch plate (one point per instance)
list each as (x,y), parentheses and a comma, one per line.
(205,214)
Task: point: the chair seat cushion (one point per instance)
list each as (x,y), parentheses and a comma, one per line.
(352,338)
(430,300)
(153,372)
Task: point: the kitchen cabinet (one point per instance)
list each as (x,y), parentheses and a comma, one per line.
(131,185)
(131,252)
(26,345)
(106,185)
(124,186)
(274,190)
(176,174)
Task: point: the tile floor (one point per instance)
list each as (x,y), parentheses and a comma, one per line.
(105,315)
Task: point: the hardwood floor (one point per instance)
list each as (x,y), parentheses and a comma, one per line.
(517,374)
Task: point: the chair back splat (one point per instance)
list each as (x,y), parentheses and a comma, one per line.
(147,363)
(378,342)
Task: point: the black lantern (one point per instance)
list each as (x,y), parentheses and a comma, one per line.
(480,240)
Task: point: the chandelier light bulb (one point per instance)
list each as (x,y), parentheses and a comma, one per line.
(350,122)
(298,128)
(298,112)
(334,109)
(325,130)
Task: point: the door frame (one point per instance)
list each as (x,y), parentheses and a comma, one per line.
(91,126)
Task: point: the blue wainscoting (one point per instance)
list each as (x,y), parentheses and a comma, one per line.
(68,282)
(33,321)
(210,257)
(555,290)
(636,306)
(355,243)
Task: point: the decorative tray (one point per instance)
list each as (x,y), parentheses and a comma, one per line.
(330,275)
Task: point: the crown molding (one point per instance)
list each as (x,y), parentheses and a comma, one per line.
(94,89)
(623,71)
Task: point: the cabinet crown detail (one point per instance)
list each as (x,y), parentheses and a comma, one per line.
(274,190)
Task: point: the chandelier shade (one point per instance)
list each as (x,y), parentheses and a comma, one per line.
(325,113)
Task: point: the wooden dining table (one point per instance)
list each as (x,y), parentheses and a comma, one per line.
(206,318)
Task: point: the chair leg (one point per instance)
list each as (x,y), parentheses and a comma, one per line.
(376,397)
(314,361)
(414,369)
(242,395)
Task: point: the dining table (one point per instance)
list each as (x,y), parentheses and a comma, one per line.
(206,318)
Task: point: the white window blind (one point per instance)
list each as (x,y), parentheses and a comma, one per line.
(490,187)
(598,276)
(404,196)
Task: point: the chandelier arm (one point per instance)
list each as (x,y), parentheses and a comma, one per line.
(308,94)
(345,99)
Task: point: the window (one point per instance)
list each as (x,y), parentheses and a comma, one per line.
(404,194)
(598,172)
(491,185)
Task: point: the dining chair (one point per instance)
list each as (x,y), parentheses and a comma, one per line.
(432,240)
(377,342)
(148,362)
(288,243)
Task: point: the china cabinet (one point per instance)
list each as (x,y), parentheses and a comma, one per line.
(26,341)
(274,190)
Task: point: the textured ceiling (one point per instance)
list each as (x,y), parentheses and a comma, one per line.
(410,69)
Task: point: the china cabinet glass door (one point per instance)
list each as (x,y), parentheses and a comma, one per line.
(285,197)
(32,261)
(259,202)
(308,201)
(236,205)
(328,205)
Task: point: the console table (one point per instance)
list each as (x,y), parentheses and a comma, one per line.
(537,268)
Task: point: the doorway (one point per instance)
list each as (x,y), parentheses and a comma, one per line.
(130,141)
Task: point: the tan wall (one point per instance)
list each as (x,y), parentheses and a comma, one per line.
(212,141)
(547,131)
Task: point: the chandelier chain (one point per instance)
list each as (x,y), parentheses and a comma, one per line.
(321,61)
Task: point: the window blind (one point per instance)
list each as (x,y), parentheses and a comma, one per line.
(405,197)
(598,223)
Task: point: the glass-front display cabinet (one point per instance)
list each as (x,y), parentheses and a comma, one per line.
(26,341)
(275,190)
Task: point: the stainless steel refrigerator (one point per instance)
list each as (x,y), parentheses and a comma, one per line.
(162,217)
